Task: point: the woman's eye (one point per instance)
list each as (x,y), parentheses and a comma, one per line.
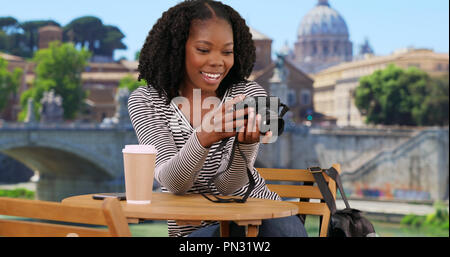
(202,50)
(228,52)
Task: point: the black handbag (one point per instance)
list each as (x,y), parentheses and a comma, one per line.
(343,223)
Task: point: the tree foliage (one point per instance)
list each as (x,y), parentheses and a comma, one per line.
(90,32)
(9,82)
(21,38)
(58,67)
(434,109)
(131,83)
(394,96)
(31,33)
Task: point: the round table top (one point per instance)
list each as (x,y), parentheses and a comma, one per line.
(194,207)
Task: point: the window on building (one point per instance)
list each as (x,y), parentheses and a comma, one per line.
(336,49)
(417,65)
(325,49)
(305,97)
(314,48)
(291,98)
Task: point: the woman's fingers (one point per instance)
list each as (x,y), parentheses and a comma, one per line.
(267,137)
(228,105)
(251,127)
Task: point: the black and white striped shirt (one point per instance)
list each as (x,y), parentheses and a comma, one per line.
(183,165)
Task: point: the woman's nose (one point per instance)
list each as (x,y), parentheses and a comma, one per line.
(216,60)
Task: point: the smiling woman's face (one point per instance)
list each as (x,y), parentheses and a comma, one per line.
(209,54)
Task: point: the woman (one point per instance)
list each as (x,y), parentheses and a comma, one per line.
(196,60)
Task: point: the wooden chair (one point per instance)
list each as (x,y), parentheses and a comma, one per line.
(307,191)
(34,212)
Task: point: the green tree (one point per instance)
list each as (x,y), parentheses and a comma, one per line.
(58,67)
(90,32)
(136,55)
(9,82)
(111,41)
(8,24)
(434,109)
(86,31)
(9,34)
(131,83)
(394,96)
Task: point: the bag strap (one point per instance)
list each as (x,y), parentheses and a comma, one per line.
(323,187)
(317,172)
(334,174)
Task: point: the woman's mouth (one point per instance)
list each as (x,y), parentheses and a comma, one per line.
(211,78)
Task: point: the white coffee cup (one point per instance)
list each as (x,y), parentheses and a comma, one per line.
(139,167)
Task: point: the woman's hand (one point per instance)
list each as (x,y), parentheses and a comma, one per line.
(221,123)
(225,122)
(250,133)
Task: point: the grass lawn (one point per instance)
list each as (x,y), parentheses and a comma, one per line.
(159,228)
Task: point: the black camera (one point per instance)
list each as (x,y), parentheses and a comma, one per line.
(269,108)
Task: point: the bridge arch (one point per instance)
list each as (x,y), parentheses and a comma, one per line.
(57,162)
(58,159)
(69,161)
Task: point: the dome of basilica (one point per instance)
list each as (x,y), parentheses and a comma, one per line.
(323,39)
(322,20)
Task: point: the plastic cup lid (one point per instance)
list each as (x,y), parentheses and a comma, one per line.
(140,149)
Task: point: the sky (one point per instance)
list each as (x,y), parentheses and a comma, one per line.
(388,24)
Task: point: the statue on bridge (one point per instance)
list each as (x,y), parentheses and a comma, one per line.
(30,118)
(122,106)
(51,110)
(121,116)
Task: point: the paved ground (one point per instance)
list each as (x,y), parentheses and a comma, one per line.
(395,208)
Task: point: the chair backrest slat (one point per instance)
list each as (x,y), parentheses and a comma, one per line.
(307,191)
(17,228)
(295,175)
(35,212)
(309,208)
(51,211)
(293,191)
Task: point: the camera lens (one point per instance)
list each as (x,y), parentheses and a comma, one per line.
(271,121)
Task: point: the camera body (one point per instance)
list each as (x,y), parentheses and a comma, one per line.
(269,109)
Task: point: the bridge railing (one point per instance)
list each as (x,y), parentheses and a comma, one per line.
(5,126)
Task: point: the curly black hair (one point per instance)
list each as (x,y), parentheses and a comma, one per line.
(162,58)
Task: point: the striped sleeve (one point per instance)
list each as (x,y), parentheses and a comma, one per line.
(175,170)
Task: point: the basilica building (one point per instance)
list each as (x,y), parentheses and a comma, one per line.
(322,39)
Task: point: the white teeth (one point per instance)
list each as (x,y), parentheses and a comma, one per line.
(211,75)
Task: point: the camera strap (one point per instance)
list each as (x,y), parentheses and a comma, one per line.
(251,180)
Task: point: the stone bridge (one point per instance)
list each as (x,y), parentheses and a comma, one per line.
(77,159)
(70,159)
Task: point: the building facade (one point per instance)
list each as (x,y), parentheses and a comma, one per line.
(282,78)
(48,34)
(334,87)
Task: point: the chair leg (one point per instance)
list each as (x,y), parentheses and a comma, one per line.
(252,230)
(224,229)
(302,217)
